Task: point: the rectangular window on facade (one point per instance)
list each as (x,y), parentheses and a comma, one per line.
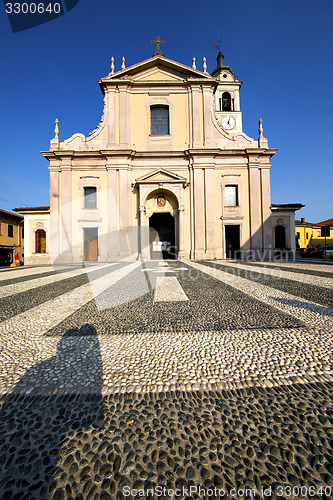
(90,197)
(22,232)
(10,230)
(231,196)
(159,120)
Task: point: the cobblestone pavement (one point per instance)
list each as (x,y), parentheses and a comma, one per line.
(167,377)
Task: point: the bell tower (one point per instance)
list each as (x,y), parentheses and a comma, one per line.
(227,105)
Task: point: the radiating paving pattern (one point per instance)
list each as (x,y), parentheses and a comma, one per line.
(326,282)
(30,272)
(210,374)
(302,267)
(15,288)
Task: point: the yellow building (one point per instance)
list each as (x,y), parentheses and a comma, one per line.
(167,173)
(309,235)
(11,237)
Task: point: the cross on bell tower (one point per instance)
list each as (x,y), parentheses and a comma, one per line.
(158,42)
(218,45)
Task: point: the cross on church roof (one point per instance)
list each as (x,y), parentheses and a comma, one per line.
(158,42)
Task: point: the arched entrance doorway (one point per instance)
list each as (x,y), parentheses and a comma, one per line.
(162,212)
(163,236)
(40,241)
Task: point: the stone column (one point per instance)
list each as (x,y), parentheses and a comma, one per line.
(54,215)
(143,247)
(255,208)
(265,208)
(223,248)
(181,229)
(66,215)
(112,215)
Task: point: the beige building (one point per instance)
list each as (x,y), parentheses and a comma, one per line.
(36,243)
(167,172)
(283,225)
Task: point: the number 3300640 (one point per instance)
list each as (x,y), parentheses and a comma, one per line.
(33,8)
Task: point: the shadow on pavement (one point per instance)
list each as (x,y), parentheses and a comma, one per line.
(53,401)
(324,311)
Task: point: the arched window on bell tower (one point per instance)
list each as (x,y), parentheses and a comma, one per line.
(226,102)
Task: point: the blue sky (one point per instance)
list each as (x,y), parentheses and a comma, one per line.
(281,50)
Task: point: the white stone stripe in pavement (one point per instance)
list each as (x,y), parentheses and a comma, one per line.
(304,310)
(327,268)
(309,279)
(17,272)
(169,289)
(38,320)
(7,290)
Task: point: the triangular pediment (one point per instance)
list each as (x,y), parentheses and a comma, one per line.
(158,74)
(161,175)
(157,68)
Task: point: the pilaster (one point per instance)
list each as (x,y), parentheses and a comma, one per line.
(124,204)
(196,116)
(265,208)
(255,207)
(181,249)
(124,114)
(66,214)
(112,215)
(54,214)
(292,239)
(209,211)
(207,96)
(199,222)
(111,100)
(236,101)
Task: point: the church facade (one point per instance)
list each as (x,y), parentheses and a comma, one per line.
(167,173)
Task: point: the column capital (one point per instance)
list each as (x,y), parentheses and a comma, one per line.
(124,88)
